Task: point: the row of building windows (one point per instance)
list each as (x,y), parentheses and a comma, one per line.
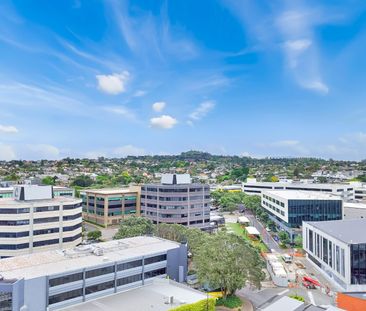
(175,189)
(103,286)
(274,200)
(274,208)
(105,270)
(36,209)
(37,232)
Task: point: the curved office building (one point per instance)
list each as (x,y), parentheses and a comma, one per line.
(34,221)
(176,201)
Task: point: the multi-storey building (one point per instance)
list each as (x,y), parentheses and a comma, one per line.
(53,280)
(177,201)
(360,193)
(288,209)
(58,191)
(338,249)
(33,221)
(345,191)
(109,206)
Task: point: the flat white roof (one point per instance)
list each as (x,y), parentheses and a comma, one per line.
(299,185)
(111,191)
(301,195)
(243,219)
(252,230)
(284,303)
(54,262)
(147,297)
(12,203)
(354,205)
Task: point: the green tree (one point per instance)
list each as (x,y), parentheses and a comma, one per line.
(49,180)
(94,235)
(227,261)
(82,181)
(298,241)
(134,226)
(284,238)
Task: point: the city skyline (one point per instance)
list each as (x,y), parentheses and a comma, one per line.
(112,78)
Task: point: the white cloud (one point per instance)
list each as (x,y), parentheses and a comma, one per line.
(286,143)
(139,93)
(113,84)
(129,150)
(43,151)
(163,122)
(122,111)
(202,110)
(7,129)
(316,85)
(95,154)
(190,123)
(158,106)
(298,45)
(7,152)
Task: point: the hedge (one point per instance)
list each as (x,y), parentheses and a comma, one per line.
(202,305)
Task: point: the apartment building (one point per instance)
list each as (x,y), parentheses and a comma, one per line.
(289,208)
(177,201)
(345,191)
(109,206)
(53,280)
(34,221)
(338,250)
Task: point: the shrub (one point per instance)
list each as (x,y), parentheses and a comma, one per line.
(229,302)
(202,305)
(297,297)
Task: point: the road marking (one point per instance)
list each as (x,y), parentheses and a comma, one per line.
(283,292)
(311,297)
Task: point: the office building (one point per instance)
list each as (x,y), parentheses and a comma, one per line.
(55,279)
(360,193)
(109,206)
(34,221)
(58,191)
(345,191)
(176,201)
(338,250)
(289,208)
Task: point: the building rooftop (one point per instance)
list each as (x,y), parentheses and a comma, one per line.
(302,195)
(54,262)
(299,184)
(148,297)
(349,231)
(284,303)
(355,205)
(12,203)
(112,191)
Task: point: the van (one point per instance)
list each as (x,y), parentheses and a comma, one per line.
(287,258)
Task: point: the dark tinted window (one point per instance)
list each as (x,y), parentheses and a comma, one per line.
(99,271)
(66,279)
(150,260)
(129,265)
(65,296)
(99,287)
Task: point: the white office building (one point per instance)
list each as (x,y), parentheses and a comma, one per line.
(34,221)
(345,191)
(289,208)
(55,279)
(338,250)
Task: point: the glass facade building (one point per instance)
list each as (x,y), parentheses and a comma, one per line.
(108,206)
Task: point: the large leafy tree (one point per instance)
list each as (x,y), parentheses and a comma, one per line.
(228,262)
(134,226)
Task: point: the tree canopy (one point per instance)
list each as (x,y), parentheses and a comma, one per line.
(134,226)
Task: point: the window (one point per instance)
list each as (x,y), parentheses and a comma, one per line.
(99,271)
(66,279)
(46,209)
(99,287)
(14,222)
(6,301)
(72,238)
(71,217)
(129,279)
(45,220)
(129,265)
(44,243)
(151,260)
(325,250)
(65,296)
(67,207)
(14,246)
(154,273)
(72,228)
(46,231)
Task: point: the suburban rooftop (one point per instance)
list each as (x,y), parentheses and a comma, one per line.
(85,256)
(349,231)
(301,195)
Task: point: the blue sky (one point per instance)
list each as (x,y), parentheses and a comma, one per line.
(88,78)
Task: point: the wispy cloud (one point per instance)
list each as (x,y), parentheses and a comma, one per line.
(8,129)
(7,152)
(121,111)
(202,110)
